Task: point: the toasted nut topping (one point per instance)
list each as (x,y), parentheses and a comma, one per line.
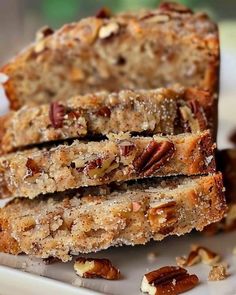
(172,6)
(43,33)
(96,268)
(104,12)
(153,157)
(169,280)
(218,273)
(32,167)
(126,147)
(104,112)
(108,30)
(198,254)
(56,114)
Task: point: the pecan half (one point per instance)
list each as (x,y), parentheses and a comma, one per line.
(153,157)
(173,6)
(169,280)
(104,112)
(126,147)
(104,12)
(96,268)
(162,216)
(32,167)
(56,114)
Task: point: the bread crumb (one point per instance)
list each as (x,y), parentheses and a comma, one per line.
(218,272)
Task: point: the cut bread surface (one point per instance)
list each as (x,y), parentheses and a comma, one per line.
(66,224)
(121,158)
(164,111)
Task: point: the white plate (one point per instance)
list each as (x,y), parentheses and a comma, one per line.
(27,276)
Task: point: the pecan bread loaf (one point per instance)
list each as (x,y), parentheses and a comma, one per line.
(62,225)
(163,110)
(33,172)
(146,49)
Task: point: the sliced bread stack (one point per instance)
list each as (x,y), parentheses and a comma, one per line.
(88,170)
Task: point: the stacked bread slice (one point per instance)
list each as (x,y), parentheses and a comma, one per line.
(88,170)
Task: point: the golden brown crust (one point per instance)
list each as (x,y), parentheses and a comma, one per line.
(62,225)
(33,172)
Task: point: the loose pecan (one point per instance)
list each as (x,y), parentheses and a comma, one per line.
(173,6)
(104,12)
(104,112)
(96,268)
(32,167)
(153,157)
(126,147)
(169,280)
(108,30)
(56,114)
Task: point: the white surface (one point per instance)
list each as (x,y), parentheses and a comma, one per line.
(132,261)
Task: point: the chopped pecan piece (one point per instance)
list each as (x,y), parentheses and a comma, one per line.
(104,112)
(56,114)
(126,147)
(108,30)
(44,32)
(173,6)
(32,167)
(99,167)
(96,268)
(153,157)
(169,280)
(193,117)
(104,12)
(218,273)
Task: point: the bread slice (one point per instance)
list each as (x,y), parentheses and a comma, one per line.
(40,171)
(65,225)
(163,110)
(145,49)
(226,162)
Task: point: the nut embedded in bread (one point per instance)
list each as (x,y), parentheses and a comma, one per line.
(39,171)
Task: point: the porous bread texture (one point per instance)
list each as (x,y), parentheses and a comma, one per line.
(163,110)
(67,224)
(121,158)
(145,49)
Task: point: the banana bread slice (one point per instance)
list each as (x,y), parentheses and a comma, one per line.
(163,110)
(145,49)
(62,225)
(40,171)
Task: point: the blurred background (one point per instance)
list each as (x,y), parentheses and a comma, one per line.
(20,19)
